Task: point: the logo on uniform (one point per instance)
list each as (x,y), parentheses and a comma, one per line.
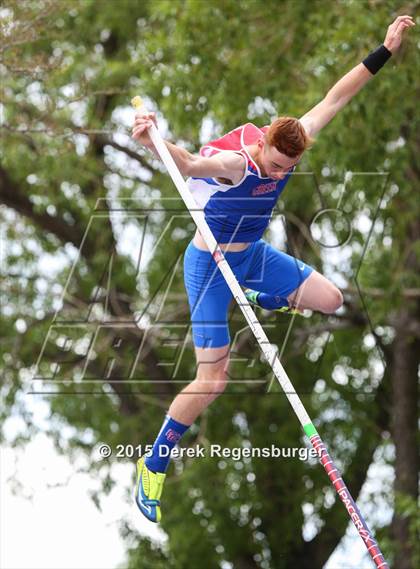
(264,188)
(172,435)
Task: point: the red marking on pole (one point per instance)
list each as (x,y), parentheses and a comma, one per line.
(218,256)
(345,496)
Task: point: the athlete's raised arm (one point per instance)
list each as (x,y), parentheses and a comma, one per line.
(349,85)
(229,165)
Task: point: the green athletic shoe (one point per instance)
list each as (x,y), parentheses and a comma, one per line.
(149,486)
(252,297)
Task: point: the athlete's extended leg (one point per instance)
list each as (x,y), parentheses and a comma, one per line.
(210,382)
(209,298)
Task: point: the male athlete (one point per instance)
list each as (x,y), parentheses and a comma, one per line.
(237,180)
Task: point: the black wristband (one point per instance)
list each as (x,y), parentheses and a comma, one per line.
(376,59)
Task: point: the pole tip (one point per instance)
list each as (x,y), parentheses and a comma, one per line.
(137,102)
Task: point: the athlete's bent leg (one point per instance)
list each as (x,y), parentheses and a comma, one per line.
(280,280)
(316,293)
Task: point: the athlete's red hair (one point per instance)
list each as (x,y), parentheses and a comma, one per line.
(288,136)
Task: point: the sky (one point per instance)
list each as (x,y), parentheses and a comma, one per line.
(60,528)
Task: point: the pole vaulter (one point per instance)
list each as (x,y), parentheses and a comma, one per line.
(244,166)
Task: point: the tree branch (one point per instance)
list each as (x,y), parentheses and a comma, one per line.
(11,195)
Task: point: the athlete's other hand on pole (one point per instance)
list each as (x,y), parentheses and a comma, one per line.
(140,129)
(394,34)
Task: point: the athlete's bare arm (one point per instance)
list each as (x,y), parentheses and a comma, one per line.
(228,165)
(349,85)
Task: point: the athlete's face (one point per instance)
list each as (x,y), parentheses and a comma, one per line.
(275,164)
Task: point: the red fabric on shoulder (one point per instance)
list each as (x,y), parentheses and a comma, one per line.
(236,139)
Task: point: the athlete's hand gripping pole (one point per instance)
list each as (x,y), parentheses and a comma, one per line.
(268,350)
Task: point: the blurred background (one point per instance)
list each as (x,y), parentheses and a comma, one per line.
(95,335)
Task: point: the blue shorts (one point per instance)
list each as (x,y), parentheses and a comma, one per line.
(260,267)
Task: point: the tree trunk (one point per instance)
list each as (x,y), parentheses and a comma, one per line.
(406,347)
(404,427)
